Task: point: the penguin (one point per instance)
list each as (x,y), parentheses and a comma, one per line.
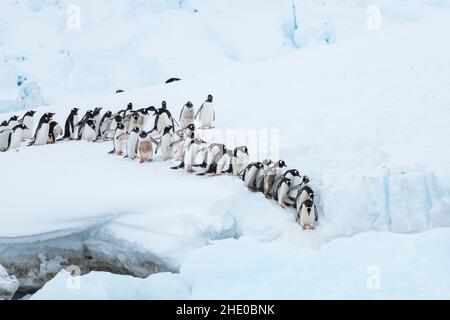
(250,173)
(289,174)
(282,195)
(13,121)
(163,119)
(134,121)
(223,162)
(305,193)
(5,139)
(260,176)
(42,131)
(113,126)
(28,121)
(187,115)
(69,126)
(178,143)
(104,125)
(80,125)
(120,140)
(307,215)
(132,143)
(89,131)
(97,118)
(269,176)
(213,153)
(191,152)
(54,132)
(172,80)
(239,160)
(145,147)
(16,136)
(165,144)
(206,114)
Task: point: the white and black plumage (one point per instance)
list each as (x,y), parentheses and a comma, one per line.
(70,125)
(187,115)
(307,215)
(250,173)
(105,125)
(132,143)
(28,121)
(119,140)
(206,114)
(165,145)
(54,132)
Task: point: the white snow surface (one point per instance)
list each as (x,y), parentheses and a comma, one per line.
(365,117)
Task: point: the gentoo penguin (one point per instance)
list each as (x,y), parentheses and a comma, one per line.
(307,215)
(283,191)
(238,161)
(250,173)
(54,132)
(187,115)
(104,125)
(165,144)
(224,162)
(305,193)
(289,174)
(13,121)
(206,113)
(145,147)
(125,112)
(16,136)
(5,139)
(97,118)
(28,121)
(178,143)
(120,140)
(269,176)
(191,147)
(259,177)
(134,121)
(113,126)
(163,119)
(80,125)
(42,131)
(89,131)
(213,153)
(69,127)
(132,143)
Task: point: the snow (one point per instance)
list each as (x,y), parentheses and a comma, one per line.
(364,115)
(367,266)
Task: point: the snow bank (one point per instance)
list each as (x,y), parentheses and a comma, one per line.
(367,266)
(8,284)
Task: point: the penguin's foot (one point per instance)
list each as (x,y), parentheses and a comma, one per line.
(283,206)
(190,170)
(120,153)
(141,161)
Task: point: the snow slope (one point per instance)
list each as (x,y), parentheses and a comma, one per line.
(364,118)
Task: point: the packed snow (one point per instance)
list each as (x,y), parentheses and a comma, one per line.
(363,113)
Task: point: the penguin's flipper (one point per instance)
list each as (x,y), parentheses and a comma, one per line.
(180,166)
(112,152)
(201,174)
(154,140)
(198,112)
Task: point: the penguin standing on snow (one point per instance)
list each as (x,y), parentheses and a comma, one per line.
(282,195)
(42,130)
(54,132)
(289,174)
(269,176)
(206,114)
(145,147)
(119,140)
(163,119)
(97,118)
(224,162)
(89,131)
(213,153)
(16,137)
(250,173)
(109,134)
(104,125)
(134,122)
(28,121)
(187,115)
(165,144)
(132,143)
(305,193)
(69,126)
(307,215)
(239,160)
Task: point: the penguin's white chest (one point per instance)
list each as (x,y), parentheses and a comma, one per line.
(42,135)
(16,139)
(207,114)
(28,133)
(163,122)
(132,144)
(283,191)
(187,117)
(89,134)
(250,176)
(166,149)
(307,218)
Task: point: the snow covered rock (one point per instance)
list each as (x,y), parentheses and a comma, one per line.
(8,284)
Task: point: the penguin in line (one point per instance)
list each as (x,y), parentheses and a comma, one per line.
(282,195)
(289,174)
(163,119)
(89,131)
(239,160)
(80,125)
(119,140)
(13,121)
(206,114)
(269,176)
(104,125)
(224,162)
(42,131)
(69,126)
(16,137)
(28,121)
(191,147)
(187,115)
(145,147)
(305,193)
(54,132)
(113,126)
(165,144)
(307,215)
(132,143)
(250,173)
(213,153)
(259,177)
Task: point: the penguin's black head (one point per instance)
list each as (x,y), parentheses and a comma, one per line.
(151,108)
(90,114)
(118,118)
(120,126)
(191,127)
(91,123)
(135,116)
(97,111)
(22,126)
(168,129)
(164,105)
(51,114)
(46,119)
(189,104)
(143,134)
(4,124)
(259,165)
(136,130)
(14,118)
(281,164)
(288,182)
(305,179)
(295,173)
(210,98)
(312,195)
(108,114)
(192,135)
(30,113)
(130,106)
